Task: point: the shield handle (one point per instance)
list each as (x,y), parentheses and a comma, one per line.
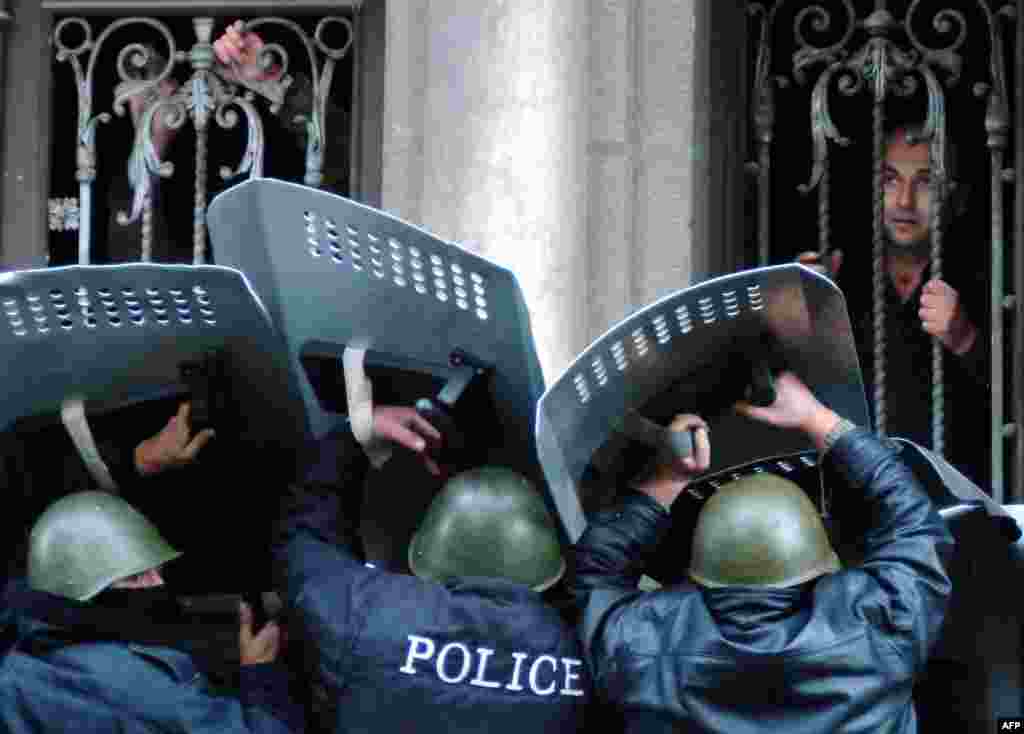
(761,390)
(643,430)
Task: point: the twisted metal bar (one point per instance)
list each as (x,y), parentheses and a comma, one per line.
(997,125)
(147,231)
(199,212)
(1017,489)
(87,122)
(764,194)
(879,274)
(764,120)
(997,305)
(938,377)
(203,94)
(823,216)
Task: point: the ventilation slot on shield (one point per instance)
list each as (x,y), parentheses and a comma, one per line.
(582,388)
(105,307)
(387,258)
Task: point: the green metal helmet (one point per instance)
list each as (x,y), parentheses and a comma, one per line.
(488,522)
(760,531)
(88,540)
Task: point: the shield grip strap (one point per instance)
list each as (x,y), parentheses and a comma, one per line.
(359,395)
(72,415)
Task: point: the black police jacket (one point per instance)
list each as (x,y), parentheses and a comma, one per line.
(403,654)
(61,672)
(838,654)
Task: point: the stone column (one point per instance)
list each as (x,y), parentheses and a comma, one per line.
(485,135)
(648,152)
(584,144)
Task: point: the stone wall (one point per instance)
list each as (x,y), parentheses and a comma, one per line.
(586,145)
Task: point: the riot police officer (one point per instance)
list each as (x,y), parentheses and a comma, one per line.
(92,642)
(35,470)
(771,635)
(468,644)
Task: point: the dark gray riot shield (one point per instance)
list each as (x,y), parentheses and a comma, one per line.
(438,323)
(695,351)
(952,492)
(119,336)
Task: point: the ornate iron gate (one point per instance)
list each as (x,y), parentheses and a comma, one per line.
(885,51)
(204,98)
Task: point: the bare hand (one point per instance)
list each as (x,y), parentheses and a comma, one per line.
(942,316)
(406,427)
(239,52)
(260,648)
(162,135)
(137,102)
(795,406)
(671,475)
(813,260)
(171,447)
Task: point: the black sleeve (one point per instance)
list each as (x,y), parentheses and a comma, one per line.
(613,551)
(16,521)
(120,460)
(905,543)
(974,294)
(266,687)
(975,361)
(320,516)
(317,565)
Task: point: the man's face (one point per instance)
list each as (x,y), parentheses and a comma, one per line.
(906,175)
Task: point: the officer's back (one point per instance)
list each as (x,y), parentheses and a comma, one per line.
(466,645)
(772,634)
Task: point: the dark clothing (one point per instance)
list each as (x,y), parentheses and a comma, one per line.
(58,673)
(39,465)
(399,653)
(908,384)
(838,654)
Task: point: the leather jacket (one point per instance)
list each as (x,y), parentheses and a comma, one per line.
(836,654)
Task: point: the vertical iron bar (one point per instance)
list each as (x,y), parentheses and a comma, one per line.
(201,57)
(147,230)
(764,122)
(938,379)
(5,22)
(997,292)
(84,217)
(199,212)
(879,274)
(764,192)
(1017,490)
(355,127)
(823,216)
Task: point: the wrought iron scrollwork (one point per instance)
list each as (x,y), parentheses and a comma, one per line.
(764,124)
(884,56)
(808,54)
(205,96)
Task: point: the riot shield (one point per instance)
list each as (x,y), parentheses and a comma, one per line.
(953,493)
(441,327)
(120,338)
(696,351)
